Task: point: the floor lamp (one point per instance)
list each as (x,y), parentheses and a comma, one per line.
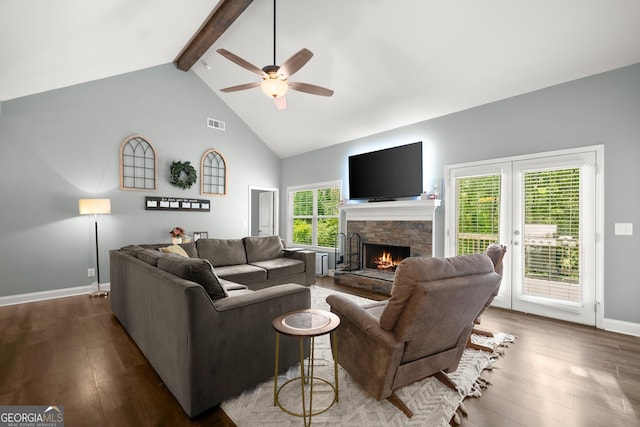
(95,207)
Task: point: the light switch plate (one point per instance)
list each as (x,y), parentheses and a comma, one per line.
(624,229)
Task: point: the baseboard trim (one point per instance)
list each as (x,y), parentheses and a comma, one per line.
(621,326)
(56,293)
(612,325)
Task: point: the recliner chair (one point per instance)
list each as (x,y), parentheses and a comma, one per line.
(421,330)
(496,253)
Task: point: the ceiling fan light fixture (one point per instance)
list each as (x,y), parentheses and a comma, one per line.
(274,87)
(275,81)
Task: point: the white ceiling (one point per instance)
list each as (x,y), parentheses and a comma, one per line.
(391,63)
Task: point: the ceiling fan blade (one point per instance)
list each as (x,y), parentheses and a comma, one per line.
(240,87)
(241,62)
(312,89)
(297,61)
(281,102)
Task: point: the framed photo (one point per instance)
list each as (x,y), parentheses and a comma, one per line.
(200,235)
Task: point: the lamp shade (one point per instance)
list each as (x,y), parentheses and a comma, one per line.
(94,206)
(274,87)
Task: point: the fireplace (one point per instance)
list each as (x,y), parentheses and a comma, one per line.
(383,257)
(404,223)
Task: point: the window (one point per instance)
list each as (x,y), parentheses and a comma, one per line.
(314,219)
(138,164)
(213,174)
(478,224)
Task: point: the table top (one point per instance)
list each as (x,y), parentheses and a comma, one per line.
(310,322)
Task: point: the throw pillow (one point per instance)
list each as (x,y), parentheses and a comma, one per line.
(174,249)
(197,270)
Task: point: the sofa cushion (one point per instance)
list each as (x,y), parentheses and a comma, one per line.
(231,286)
(221,252)
(262,248)
(174,249)
(281,267)
(243,273)
(196,270)
(150,256)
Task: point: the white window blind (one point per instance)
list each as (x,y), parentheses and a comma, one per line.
(552,233)
(478,216)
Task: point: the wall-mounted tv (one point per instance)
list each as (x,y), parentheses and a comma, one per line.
(386,174)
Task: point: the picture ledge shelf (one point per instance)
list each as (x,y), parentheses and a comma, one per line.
(400,210)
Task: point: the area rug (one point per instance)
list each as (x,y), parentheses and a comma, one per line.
(432,403)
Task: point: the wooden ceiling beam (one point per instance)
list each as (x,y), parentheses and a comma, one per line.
(217,23)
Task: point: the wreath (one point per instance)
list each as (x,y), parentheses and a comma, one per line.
(183,175)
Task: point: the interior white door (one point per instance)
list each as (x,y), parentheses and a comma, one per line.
(544,209)
(266,217)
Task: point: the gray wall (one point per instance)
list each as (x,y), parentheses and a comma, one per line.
(602,109)
(63,145)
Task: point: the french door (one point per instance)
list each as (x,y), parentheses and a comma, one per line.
(544,208)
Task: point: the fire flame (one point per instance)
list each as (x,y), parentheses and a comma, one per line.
(385,262)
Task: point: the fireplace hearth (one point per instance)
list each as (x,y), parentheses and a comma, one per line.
(383,257)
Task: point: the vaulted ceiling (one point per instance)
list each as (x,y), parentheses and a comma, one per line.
(390,63)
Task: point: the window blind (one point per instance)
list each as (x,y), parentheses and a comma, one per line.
(478,216)
(552,233)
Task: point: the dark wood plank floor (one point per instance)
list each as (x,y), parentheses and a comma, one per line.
(73,352)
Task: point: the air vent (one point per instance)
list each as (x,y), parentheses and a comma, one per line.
(216,124)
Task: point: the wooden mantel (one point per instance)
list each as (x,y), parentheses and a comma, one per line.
(401,210)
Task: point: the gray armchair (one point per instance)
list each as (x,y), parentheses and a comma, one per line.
(421,330)
(496,253)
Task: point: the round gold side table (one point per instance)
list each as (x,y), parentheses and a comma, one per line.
(307,323)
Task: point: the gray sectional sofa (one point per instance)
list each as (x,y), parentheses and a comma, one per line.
(257,262)
(204,322)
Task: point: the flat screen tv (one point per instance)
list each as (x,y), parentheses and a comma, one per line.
(386,174)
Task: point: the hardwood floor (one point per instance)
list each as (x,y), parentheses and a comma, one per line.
(73,352)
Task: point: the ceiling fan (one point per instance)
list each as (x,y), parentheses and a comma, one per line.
(275,81)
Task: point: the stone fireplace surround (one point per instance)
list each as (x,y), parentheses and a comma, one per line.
(402,223)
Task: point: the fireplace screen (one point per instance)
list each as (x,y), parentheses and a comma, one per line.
(384,257)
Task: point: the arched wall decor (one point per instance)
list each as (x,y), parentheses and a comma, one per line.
(213,173)
(138,164)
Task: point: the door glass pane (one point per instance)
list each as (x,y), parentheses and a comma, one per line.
(478,222)
(552,234)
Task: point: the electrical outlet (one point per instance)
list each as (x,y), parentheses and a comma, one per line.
(91,272)
(623,229)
